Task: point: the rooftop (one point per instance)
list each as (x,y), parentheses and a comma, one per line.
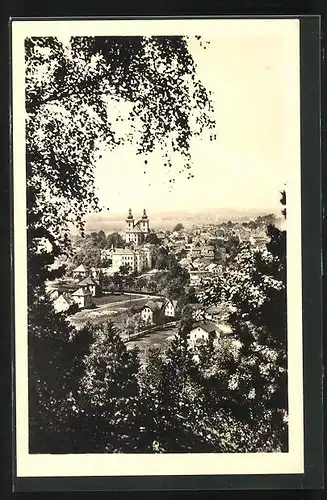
(67,297)
(80,269)
(81,292)
(207,326)
(87,281)
(154,306)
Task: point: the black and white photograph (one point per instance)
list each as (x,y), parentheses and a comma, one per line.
(157,209)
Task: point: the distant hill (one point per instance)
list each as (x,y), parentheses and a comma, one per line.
(108,222)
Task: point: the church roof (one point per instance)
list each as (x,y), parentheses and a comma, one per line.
(136,228)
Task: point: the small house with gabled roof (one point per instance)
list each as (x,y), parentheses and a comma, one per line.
(63,302)
(83,297)
(91,285)
(171,309)
(152,311)
(80,272)
(202,332)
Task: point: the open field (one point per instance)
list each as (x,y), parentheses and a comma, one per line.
(160,338)
(110,307)
(110,299)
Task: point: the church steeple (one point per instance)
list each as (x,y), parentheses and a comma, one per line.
(145,222)
(130,220)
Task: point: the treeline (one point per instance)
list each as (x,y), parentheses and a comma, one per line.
(262,221)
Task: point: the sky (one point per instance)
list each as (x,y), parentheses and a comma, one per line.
(246,166)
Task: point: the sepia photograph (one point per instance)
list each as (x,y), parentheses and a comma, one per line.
(157,204)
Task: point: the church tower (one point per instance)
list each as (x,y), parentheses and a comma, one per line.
(145,222)
(129,220)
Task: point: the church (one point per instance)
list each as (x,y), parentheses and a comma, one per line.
(136,231)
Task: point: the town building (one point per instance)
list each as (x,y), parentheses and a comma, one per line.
(214,268)
(171,309)
(202,332)
(208,251)
(136,231)
(136,259)
(91,285)
(259,240)
(152,311)
(54,294)
(63,302)
(83,298)
(80,272)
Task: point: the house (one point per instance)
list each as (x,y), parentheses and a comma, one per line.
(54,294)
(195,250)
(259,240)
(83,298)
(195,278)
(63,302)
(202,332)
(138,259)
(197,263)
(152,311)
(208,251)
(213,268)
(171,309)
(91,285)
(80,272)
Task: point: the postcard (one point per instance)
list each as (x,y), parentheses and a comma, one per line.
(157,219)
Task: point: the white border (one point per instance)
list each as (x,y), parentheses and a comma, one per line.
(165,464)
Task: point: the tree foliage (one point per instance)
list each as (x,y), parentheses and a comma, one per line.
(179,226)
(115,240)
(87,250)
(152,238)
(107,408)
(55,368)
